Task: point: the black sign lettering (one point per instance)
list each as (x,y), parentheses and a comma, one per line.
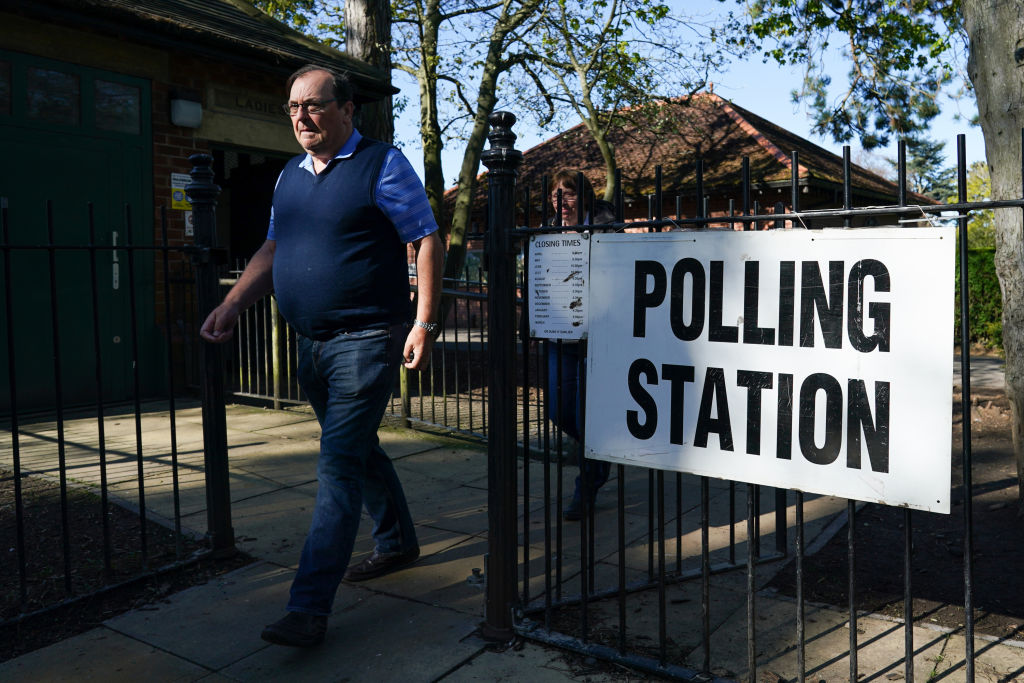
(830,308)
(645,429)
(714,390)
(876,431)
(644,298)
(787,301)
(878,311)
(784,433)
(716,330)
(829,451)
(677,376)
(754,382)
(752,334)
(693,329)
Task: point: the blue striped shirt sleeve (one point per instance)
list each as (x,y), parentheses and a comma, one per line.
(400,195)
(271,234)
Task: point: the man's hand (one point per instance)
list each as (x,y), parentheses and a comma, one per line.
(219,326)
(417,349)
(256,280)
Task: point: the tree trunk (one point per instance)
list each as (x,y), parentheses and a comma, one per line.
(368,39)
(995,29)
(430,127)
(487,98)
(604,145)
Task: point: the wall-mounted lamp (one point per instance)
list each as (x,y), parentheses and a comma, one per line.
(186,113)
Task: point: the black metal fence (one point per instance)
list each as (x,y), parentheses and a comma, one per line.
(645,576)
(98,349)
(639,579)
(449,395)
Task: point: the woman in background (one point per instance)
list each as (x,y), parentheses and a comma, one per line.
(563,380)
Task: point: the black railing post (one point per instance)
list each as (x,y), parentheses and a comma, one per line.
(502,161)
(202,192)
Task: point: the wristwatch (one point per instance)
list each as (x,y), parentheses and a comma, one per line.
(431,328)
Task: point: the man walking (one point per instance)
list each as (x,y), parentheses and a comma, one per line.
(335,256)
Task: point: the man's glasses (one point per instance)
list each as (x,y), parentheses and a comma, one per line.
(567,195)
(311,107)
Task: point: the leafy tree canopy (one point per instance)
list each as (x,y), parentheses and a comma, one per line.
(300,14)
(981,227)
(902,54)
(927,172)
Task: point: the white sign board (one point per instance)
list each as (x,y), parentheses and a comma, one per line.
(810,360)
(559,266)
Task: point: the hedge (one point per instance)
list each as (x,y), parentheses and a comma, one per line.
(985,299)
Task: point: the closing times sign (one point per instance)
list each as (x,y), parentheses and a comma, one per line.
(812,360)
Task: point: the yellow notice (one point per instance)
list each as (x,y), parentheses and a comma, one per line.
(178,198)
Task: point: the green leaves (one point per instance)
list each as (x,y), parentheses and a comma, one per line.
(901,55)
(322,20)
(981,227)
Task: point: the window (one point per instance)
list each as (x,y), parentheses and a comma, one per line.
(117,107)
(53,96)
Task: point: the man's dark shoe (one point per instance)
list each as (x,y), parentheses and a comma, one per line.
(379,564)
(296,629)
(573,511)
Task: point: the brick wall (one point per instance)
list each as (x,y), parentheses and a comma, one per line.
(172,146)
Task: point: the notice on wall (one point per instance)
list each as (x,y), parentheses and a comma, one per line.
(559,267)
(178,183)
(809,360)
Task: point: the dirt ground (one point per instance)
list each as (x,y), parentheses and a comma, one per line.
(46,584)
(937,579)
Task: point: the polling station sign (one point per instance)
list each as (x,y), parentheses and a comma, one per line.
(812,360)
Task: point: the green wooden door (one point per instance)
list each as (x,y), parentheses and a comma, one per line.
(75,136)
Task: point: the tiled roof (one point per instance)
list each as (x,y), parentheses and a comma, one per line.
(708,127)
(232,25)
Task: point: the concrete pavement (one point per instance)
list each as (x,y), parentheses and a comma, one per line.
(987,372)
(419,624)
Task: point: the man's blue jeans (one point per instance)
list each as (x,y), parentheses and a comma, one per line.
(348,381)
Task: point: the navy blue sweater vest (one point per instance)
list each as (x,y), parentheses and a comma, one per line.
(339,264)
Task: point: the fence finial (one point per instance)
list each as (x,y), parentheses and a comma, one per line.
(502,155)
(201,189)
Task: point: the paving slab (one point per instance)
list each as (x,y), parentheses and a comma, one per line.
(442,577)
(123,659)
(255,419)
(159,488)
(271,526)
(400,443)
(461,466)
(462,509)
(994,662)
(535,663)
(376,638)
(285,462)
(218,623)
